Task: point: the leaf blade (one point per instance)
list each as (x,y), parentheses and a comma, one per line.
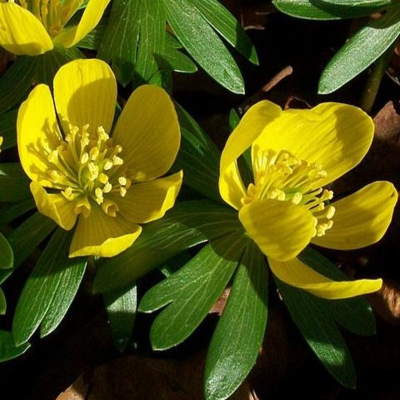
(191,292)
(40,288)
(186,225)
(238,337)
(203,44)
(360,51)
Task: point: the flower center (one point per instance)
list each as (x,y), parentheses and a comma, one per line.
(53,14)
(284,177)
(87,168)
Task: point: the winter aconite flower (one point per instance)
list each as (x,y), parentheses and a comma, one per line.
(105,185)
(33,27)
(294,155)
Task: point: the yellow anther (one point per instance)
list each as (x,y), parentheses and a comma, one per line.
(94,153)
(108,165)
(297,198)
(93,171)
(101,134)
(84,158)
(122,181)
(107,188)
(122,191)
(330,212)
(103,178)
(117,160)
(98,193)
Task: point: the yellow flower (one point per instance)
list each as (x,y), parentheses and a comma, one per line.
(81,176)
(294,155)
(33,27)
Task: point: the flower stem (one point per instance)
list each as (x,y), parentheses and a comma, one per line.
(374,80)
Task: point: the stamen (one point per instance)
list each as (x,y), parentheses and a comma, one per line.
(281,176)
(87,168)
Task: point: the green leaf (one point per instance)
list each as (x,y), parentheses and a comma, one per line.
(174,60)
(186,225)
(190,293)
(203,44)
(10,211)
(330,9)
(354,314)
(8,123)
(51,285)
(14,183)
(16,82)
(121,311)
(29,235)
(320,331)
(69,280)
(175,263)
(3,304)
(134,33)
(8,350)
(234,119)
(6,253)
(227,26)
(360,51)
(93,39)
(359,3)
(198,157)
(50,62)
(238,337)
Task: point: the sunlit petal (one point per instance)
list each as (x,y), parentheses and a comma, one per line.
(21,33)
(54,206)
(297,274)
(250,127)
(335,135)
(281,229)
(149,133)
(147,201)
(102,235)
(362,218)
(85,92)
(37,133)
(69,37)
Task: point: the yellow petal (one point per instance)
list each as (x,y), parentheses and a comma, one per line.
(149,133)
(91,16)
(148,201)
(85,92)
(21,33)
(362,218)
(279,228)
(335,135)
(251,125)
(37,133)
(54,206)
(297,274)
(102,235)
